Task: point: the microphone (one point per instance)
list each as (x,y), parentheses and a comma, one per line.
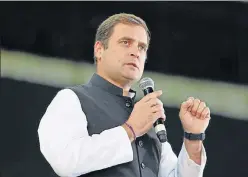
(147,86)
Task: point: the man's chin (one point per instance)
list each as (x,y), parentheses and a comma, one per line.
(131,77)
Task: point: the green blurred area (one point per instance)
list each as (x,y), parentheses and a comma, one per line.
(224,99)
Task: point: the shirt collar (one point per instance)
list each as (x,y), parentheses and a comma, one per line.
(98,81)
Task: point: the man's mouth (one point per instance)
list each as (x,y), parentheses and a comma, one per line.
(132,64)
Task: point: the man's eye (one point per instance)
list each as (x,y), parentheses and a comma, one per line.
(125,42)
(142,48)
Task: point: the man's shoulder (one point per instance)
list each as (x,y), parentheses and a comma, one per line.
(80,89)
(77,87)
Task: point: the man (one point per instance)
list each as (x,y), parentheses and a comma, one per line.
(96,129)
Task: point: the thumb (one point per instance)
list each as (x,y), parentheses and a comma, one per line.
(152,95)
(159,93)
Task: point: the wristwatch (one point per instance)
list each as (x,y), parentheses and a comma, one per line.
(191,136)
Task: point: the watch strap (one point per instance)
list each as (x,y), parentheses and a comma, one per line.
(192,136)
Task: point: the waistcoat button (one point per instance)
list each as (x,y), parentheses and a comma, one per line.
(128,104)
(143,165)
(141,143)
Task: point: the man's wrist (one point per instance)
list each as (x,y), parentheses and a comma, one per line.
(194,136)
(129,132)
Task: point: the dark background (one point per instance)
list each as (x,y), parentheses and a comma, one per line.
(205,40)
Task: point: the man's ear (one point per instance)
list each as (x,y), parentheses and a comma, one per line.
(98,50)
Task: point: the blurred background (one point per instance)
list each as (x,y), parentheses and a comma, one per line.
(197,49)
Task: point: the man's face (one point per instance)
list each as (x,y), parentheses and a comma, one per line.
(126,53)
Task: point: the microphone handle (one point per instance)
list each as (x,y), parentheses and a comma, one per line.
(159,124)
(159,121)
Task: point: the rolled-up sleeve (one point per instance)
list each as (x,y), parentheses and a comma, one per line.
(181,166)
(67,146)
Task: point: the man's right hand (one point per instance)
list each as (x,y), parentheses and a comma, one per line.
(144,114)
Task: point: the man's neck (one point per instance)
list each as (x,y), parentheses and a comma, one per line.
(125,86)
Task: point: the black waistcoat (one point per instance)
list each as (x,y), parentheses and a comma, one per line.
(105,108)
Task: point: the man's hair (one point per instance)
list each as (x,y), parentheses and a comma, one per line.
(106,28)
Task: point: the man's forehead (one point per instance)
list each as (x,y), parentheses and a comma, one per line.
(135,32)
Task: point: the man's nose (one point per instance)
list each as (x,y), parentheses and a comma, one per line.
(134,52)
(135,55)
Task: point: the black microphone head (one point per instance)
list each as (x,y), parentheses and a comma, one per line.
(145,83)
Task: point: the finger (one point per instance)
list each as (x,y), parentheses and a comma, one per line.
(205,113)
(152,95)
(157,108)
(201,107)
(195,106)
(154,102)
(187,104)
(158,115)
(191,100)
(163,115)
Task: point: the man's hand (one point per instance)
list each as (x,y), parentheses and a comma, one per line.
(145,113)
(195,116)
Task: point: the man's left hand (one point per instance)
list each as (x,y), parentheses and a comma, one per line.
(194,115)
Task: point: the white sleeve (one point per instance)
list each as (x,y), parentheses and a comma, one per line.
(183,166)
(67,146)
